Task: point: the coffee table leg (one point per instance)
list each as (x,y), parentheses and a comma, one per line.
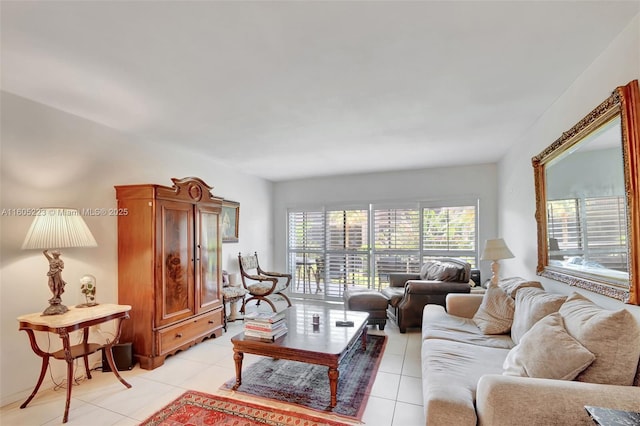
(333,385)
(237,357)
(364,339)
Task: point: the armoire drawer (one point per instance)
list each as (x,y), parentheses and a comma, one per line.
(188,330)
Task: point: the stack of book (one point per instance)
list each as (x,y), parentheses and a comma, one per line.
(265,325)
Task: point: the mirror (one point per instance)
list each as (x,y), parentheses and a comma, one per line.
(588,200)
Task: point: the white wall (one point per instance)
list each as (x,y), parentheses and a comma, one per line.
(51,158)
(616,66)
(428,184)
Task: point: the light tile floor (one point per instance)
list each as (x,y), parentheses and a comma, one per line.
(396,397)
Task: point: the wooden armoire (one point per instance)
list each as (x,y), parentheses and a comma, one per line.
(169,254)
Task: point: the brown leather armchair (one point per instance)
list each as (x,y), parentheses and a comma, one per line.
(409,293)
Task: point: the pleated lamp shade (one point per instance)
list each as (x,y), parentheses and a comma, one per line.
(58,228)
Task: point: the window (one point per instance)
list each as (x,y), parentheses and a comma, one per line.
(330,247)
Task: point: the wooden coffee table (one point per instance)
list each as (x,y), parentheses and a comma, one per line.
(325,344)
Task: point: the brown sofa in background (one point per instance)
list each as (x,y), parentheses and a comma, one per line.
(409,293)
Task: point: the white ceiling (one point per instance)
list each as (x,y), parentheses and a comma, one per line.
(285,90)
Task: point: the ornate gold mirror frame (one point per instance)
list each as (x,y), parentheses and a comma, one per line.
(625,103)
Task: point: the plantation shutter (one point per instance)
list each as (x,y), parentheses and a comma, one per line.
(449,232)
(348,247)
(396,241)
(563,225)
(606,226)
(306,231)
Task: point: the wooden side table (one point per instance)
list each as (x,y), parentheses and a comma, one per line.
(73,320)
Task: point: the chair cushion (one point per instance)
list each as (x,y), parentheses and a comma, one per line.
(495,314)
(547,351)
(612,336)
(532,304)
(231,292)
(258,288)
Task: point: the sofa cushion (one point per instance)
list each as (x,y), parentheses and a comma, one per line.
(450,372)
(438,324)
(513,284)
(532,304)
(612,336)
(495,314)
(547,351)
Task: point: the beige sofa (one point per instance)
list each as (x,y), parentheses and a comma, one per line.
(466,380)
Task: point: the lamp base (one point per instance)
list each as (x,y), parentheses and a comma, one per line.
(495,269)
(55,308)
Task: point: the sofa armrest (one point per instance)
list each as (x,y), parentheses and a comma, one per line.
(463,305)
(398,279)
(508,400)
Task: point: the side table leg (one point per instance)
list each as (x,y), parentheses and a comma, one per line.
(45,364)
(109,353)
(85,339)
(86,366)
(333,385)
(237,357)
(43,370)
(69,359)
(233,307)
(224,314)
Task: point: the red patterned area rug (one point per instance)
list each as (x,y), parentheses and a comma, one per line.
(307,385)
(200,409)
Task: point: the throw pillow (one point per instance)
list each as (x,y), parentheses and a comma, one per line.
(547,351)
(532,304)
(513,284)
(495,314)
(612,336)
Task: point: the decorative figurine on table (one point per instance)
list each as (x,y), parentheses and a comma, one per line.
(56,283)
(88,289)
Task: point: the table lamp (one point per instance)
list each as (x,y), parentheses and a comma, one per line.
(495,250)
(57,228)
